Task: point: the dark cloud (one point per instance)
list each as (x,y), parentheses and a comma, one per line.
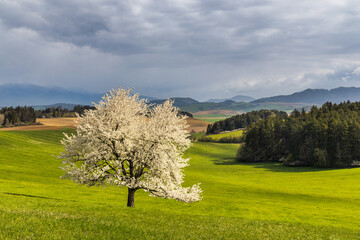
(202,49)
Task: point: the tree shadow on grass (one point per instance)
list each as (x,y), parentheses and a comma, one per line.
(34,196)
(270,166)
(279,167)
(226,161)
(27,195)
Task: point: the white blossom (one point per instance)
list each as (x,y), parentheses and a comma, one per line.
(125,142)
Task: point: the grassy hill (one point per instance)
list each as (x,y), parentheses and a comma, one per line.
(241,201)
(227,134)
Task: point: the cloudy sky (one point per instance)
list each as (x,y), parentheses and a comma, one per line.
(201,49)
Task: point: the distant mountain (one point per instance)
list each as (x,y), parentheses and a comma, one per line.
(178,101)
(237,98)
(68,106)
(33,95)
(242,98)
(316,96)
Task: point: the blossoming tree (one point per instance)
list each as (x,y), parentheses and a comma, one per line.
(127,143)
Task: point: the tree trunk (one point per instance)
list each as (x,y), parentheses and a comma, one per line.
(131,197)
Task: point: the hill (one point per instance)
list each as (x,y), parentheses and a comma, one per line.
(178,101)
(28,94)
(316,96)
(237,98)
(240,201)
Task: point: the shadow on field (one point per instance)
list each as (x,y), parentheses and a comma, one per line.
(270,166)
(226,161)
(278,167)
(27,195)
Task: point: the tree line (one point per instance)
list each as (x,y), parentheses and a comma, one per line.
(327,136)
(19,115)
(243,120)
(62,112)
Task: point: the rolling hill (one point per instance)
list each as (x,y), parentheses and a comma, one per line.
(178,101)
(240,201)
(237,98)
(42,97)
(316,96)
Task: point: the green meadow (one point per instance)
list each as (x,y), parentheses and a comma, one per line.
(212,117)
(227,134)
(240,201)
(211,120)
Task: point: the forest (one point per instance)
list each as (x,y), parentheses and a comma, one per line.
(17,116)
(326,136)
(243,120)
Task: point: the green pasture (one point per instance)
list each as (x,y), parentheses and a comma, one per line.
(240,201)
(227,134)
(211,120)
(212,117)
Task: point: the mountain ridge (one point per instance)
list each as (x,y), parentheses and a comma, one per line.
(316,96)
(34,95)
(237,98)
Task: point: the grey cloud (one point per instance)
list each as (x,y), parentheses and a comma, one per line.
(198,48)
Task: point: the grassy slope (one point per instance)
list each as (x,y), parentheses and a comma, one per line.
(228,134)
(241,201)
(211,117)
(211,120)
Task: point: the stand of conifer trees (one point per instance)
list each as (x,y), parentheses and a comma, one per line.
(328,136)
(10,116)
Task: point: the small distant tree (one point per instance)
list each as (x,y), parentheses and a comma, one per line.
(125,142)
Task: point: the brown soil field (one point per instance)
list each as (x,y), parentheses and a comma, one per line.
(221,111)
(58,123)
(197,125)
(47,124)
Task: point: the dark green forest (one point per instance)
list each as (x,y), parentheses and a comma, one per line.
(17,116)
(327,136)
(243,120)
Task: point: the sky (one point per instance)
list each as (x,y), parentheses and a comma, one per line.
(189,48)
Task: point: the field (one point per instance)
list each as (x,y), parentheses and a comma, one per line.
(228,134)
(211,119)
(240,201)
(197,125)
(58,123)
(215,115)
(46,124)
(241,106)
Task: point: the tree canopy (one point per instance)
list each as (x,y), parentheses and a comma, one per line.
(126,142)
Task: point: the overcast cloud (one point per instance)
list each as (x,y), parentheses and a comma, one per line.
(201,49)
